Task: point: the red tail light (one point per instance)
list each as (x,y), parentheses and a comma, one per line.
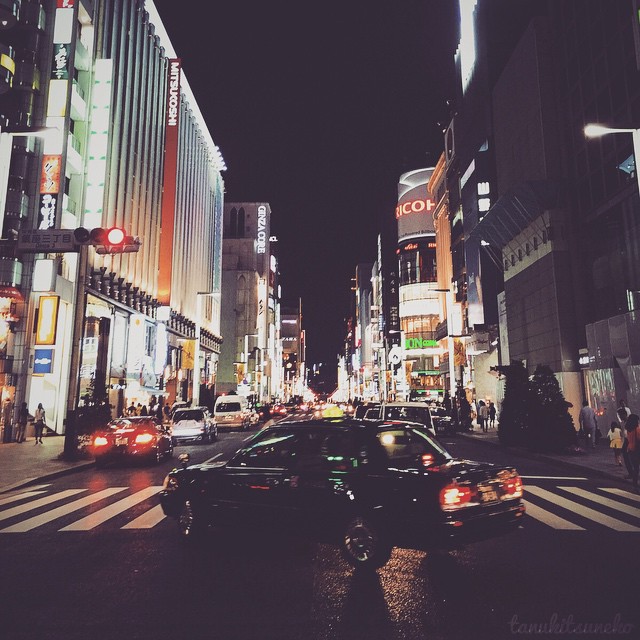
(100,441)
(455,496)
(144,438)
(513,487)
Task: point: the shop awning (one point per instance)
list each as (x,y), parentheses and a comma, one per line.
(10,292)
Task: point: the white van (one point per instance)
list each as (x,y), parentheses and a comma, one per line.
(231,411)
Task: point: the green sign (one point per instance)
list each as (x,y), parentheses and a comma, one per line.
(419,343)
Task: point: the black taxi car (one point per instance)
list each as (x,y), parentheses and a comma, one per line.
(369,487)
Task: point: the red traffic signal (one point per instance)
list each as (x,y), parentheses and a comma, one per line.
(112,240)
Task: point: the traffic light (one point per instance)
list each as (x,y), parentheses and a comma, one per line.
(106,241)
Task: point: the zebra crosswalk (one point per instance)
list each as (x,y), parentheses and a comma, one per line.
(563,508)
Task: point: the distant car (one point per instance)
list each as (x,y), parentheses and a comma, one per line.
(193,424)
(442,420)
(231,411)
(409,411)
(366,487)
(133,438)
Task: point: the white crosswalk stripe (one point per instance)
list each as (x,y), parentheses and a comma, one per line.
(59,512)
(549,518)
(581,510)
(41,502)
(19,496)
(562,508)
(111,511)
(147,520)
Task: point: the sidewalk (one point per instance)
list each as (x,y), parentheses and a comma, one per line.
(26,463)
(599,461)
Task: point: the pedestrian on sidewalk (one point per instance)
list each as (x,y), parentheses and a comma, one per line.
(484,416)
(623,416)
(588,424)
(40,422)
(633,448)
(492,415)
(615,442)
(23,417)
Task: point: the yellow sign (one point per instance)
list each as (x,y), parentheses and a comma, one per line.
(47,320)
(188,354)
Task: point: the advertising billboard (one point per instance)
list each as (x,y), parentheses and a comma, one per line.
(414,211)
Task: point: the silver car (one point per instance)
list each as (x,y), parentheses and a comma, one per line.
(193,423)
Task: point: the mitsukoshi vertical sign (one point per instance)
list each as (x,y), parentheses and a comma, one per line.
(167,224)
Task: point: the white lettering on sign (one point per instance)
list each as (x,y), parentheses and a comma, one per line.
(174,88)
(262,230)
(414,206)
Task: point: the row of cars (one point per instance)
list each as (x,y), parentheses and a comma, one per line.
(144,438)
(368,484)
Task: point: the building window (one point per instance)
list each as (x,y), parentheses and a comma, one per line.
(527,248)
(241,223)
(544,236)
(513,260)
(483,188)
(484,204)
(535,243)
(520,255)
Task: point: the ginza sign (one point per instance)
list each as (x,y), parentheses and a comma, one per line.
(261,245)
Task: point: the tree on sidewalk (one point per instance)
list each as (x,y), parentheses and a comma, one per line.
(550,423)
(514,415)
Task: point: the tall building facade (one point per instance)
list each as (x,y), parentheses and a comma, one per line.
(129,149)
(250,318)
(419,299)
(563,216)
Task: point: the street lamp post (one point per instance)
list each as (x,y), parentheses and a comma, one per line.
(597,130)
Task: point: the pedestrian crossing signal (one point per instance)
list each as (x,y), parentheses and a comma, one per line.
(107,241)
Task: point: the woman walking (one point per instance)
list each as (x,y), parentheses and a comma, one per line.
(40,422)
(615,442)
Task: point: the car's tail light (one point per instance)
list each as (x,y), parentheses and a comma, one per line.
(455,496)
(144,438)
(100,441)
(513,487)
(428,459)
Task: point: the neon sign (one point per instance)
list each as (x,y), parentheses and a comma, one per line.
(419,343)
(414,206)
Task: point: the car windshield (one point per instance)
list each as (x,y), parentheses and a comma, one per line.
(224,407)
(405,446)
(414,414)
(188,415)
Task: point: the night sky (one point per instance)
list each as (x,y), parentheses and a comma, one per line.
(318,108)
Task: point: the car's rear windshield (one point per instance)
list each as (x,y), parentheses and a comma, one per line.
(225,407)
(190,414)
(413,414)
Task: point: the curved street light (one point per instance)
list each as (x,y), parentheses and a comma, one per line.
(595,130)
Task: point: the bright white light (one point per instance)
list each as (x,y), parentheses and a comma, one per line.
(597,130)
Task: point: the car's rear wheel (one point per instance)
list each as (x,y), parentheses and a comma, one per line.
(191,526)
(364,544)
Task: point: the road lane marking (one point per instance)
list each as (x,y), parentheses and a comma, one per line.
(607,502)
(54,514)
(585,512)
(624,494)
(551,478)
(94,519)
(550,519)
(212,458)
(147,520)
(61,495)
(20,496)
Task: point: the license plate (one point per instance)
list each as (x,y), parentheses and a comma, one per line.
(121,441)
(488,496)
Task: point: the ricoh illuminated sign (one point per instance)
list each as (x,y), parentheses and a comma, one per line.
(414,206)
(261,245)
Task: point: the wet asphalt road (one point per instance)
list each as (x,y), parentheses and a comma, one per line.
(109,582)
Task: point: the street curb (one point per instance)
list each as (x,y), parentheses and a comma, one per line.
(544,458)
(47,476)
